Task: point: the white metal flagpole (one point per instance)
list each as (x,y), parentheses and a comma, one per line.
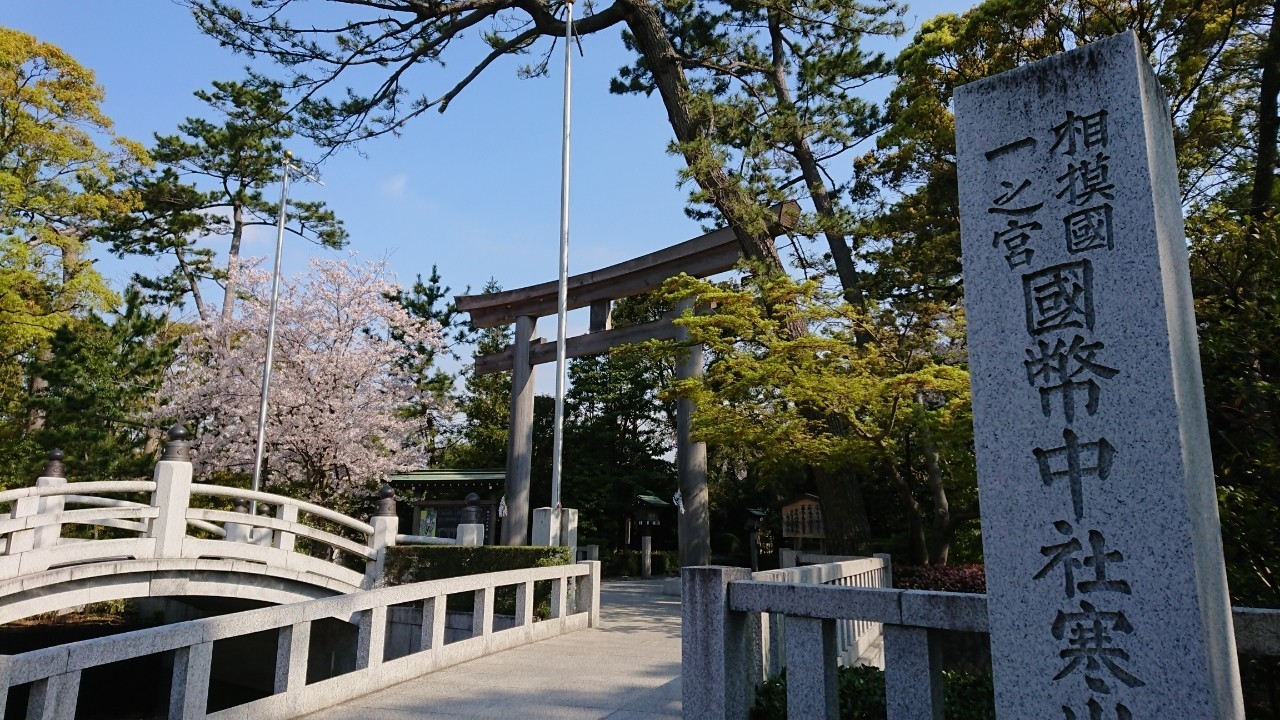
(271,327)
(563,301)
(285,168)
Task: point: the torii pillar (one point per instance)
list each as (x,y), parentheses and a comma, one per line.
(515,527)
(691,464)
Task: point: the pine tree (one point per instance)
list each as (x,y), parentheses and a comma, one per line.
(103,375)
(210,183)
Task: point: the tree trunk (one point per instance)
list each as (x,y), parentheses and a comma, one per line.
(917,547)
(744,214)
(942,529)
(193,283)
(1268,120)
(233,255)
(841,254)
(844,513)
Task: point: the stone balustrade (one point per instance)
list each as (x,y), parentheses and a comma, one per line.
(158,517)
(54,674)
(725,636)
(169,525)
(857,641)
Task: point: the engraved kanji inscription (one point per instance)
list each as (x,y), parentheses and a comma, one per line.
(1057,369)
(1060,296)
(1015,238)
(1089,229)
(1091,646)
(1094,711)
(1075,461)
(1085,179)
(1026,142)
(1080,132)
(1004,205)
(1067,556)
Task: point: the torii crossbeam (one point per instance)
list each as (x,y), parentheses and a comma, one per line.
(709,254)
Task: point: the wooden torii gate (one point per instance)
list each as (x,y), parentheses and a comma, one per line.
(709,254)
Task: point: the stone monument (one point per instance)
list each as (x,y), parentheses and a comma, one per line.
(1107,591)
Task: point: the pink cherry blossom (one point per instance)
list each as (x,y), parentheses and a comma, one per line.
(334,416)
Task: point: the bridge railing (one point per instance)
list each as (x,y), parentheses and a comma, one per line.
(54,674)
(856,639)
(721,609)
(157,518)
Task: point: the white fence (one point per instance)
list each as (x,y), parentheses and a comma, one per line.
(54,673)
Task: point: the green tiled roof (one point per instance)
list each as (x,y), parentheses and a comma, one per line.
(446,475)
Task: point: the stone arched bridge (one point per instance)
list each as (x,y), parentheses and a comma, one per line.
(174,544)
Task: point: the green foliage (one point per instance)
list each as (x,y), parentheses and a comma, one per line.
(57,183)
(771,91)
(485,405)
(1236,279)
(418,563)
(950,578)
(966,697)
(913,242)
(209,183)
(874,390)
(430,301)
(102,379)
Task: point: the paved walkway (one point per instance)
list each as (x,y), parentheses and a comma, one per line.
(627,670)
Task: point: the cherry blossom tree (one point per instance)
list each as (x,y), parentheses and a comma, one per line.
(335,419)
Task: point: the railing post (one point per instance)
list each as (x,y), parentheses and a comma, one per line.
(470,530)
(912,674)
(385,525)
(54,474)
(715,649)
(284,540)
(292,645)
(189,690)
(869,632)
(788,558)
(20,541)
(6,682)
(433,614)
(482,612)
(569,531)
(589,593)
(524,604)
(559,602)
(172,494)
(261,535)
(371,643)
(811,668)
(238,532)
(886,572)
(54,698)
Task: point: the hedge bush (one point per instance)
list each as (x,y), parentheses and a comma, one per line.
(951,578)
(967,697)
(417,563)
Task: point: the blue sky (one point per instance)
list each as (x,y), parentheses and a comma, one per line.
(474,191)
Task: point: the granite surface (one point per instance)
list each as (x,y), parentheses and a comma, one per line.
(1107,592)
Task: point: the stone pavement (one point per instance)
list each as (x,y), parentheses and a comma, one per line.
(629,669)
